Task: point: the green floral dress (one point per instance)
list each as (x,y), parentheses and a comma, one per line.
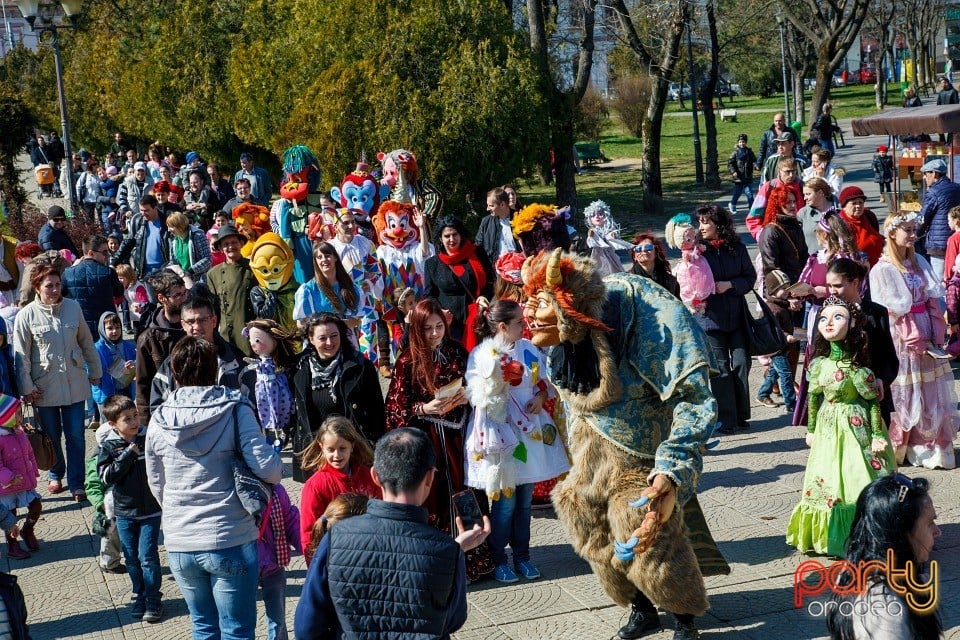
(844,418)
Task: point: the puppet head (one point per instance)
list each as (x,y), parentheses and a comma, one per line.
(565,297)
(269,339)
(394,225)
(360,191)
(301,171)
(400,173)
(251,220)
(834,319)
(681,232)
(839,327)
(541,227)
(599,219)
(271,261)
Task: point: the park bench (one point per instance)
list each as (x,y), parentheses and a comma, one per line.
(728,115)
(589,152)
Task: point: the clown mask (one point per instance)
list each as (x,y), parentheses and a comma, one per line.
(271,261)
(261,342)
(834,322)
(395,226)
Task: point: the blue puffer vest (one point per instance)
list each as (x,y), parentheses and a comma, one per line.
(93,285)
(390,574)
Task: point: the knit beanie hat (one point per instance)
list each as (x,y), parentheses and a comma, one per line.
(8,409)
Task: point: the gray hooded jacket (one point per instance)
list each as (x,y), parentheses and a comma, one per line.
(190,453)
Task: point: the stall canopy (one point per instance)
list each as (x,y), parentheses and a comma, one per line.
(913,121)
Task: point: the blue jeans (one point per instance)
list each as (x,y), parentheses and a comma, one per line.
(220,588)
(140,541)
(779,369)
(510,522)
(272,592)
(738,190)
(66,423)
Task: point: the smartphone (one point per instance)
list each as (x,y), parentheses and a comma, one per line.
(468,509)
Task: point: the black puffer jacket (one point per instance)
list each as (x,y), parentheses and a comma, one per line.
(783,246)
(730,263)
(392,575)
(119,467)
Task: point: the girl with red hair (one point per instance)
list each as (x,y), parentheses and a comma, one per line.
(431,361)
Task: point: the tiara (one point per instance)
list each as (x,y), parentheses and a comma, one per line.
(835,301)
(894,222)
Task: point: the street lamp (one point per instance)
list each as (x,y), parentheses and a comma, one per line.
(40,14)
(783,68)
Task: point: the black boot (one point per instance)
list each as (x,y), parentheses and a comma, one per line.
(643,618)
(685,628)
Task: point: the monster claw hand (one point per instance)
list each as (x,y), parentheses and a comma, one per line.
(639,502)
(623,551)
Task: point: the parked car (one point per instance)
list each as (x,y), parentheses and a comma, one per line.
(675,92)
(844,79)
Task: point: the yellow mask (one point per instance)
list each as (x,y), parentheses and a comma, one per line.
(271,261)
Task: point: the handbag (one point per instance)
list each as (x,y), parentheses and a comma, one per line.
(764,337)
(40,442)
(253,492)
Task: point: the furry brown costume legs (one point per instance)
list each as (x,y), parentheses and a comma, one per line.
(592,504)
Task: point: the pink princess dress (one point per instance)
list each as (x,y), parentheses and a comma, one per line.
(695,278)
(925,422)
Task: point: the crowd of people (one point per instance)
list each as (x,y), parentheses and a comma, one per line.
(194,331)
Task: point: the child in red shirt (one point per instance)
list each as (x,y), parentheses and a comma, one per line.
(342,459)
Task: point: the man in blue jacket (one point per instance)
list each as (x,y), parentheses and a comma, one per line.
(941,196)
(388,573)
(92,283)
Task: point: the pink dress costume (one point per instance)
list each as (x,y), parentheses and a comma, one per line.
(693,272)
(925,421)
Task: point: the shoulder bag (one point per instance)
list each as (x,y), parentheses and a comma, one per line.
(253,492)
(764,337)
(40,442)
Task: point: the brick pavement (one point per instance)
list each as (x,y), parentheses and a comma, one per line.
(749,487)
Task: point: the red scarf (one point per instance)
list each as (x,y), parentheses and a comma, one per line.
(465,253)
(868,238)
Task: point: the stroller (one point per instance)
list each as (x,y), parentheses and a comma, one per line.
(46,178)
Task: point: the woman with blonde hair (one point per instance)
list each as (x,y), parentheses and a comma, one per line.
(925,422)
(188,247)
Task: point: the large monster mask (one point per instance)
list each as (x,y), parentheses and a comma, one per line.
(301,172)
(271,261)
(394,225)
(359,191)
(400,173)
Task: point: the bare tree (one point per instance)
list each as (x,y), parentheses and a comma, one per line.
(919,21)
(800,55)
(832,26)
(653,33)
(877,24)
(562,95)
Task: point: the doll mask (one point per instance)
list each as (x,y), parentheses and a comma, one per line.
(689,240)
(261,342)
(834,322)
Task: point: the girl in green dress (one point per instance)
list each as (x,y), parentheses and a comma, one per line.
(848,441)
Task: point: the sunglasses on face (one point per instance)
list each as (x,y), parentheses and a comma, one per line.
(644,248)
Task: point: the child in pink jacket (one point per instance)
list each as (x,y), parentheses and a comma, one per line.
(18,479)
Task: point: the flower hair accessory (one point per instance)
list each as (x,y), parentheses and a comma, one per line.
(895,222)
(509,265)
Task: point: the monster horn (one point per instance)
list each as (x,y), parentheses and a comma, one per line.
(554,277)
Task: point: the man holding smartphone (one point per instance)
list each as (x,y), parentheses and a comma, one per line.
(353,586)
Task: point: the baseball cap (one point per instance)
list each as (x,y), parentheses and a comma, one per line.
(786,136)
(140,166)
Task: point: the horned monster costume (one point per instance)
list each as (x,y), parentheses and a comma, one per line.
(632,367)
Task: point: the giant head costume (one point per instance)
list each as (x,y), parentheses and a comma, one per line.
(541,227)
(394,225)
(301,173)
(400,173)
(271,261)
(359,191)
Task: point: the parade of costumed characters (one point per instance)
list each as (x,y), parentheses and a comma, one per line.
(603,238)
(512,441)
(401,175)
(361,193)
(849,446)
(404,246)
(275,349)
(632,367)
(693,272)
(272,264)
(924,424)
(252,221)
(299,197)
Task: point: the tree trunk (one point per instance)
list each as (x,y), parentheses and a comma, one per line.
(821,92)
(565,170)
(712,174)
(652,128)
(798,95)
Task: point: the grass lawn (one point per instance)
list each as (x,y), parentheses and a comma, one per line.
(620,187)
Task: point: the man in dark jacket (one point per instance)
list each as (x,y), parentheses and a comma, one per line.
(494,235)
(740,165)
(92,283)
(941,196)
(148,243)
(353,586)
(53,235)
(768,145)
(163,330)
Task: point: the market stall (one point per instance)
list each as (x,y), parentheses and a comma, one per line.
(909,156)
